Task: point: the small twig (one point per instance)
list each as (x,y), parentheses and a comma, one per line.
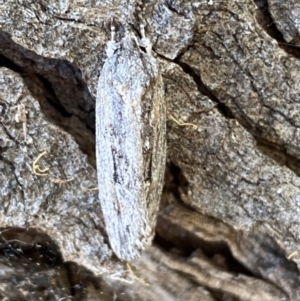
(93,189)
(292,255)
(182,123)
(36,168)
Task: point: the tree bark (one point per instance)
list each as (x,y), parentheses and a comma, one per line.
(228,226)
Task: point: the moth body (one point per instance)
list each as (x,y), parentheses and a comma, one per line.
(130,145)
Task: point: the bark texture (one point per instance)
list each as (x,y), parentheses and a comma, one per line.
(229,222)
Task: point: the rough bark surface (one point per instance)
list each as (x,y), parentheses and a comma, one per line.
(229,223)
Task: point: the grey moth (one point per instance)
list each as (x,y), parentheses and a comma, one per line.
(130,144)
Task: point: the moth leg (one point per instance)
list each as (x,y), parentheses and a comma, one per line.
(145,42)
(111,45)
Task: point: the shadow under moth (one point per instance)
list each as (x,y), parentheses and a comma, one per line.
(130,143)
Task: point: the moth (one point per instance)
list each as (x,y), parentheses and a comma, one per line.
(130,143)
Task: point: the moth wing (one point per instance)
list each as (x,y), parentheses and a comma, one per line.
(120,164)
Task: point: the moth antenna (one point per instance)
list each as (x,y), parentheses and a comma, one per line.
(142,28)
(111,45)
(145,42)
(112,31)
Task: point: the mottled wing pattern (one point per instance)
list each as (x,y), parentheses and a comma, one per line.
(130,144)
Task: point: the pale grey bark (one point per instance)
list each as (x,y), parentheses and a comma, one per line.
(233,149)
